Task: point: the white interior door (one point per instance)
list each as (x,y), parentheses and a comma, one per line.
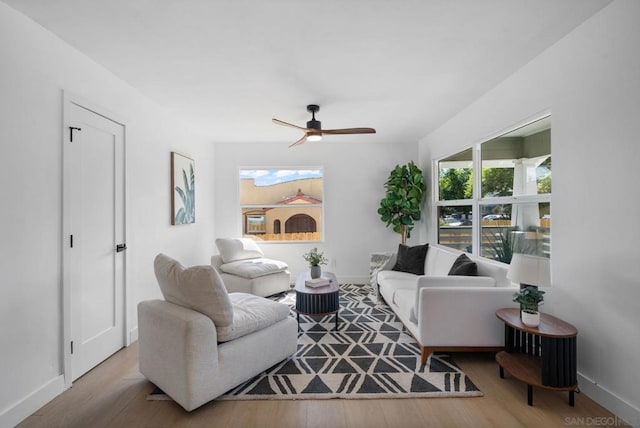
(96,210)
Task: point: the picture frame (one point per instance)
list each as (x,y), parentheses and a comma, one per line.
(183,182)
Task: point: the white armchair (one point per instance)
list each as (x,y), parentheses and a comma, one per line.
(201,342)
(243,268)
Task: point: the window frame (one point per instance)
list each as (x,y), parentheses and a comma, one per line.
(477,201)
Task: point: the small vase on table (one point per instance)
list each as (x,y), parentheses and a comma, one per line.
(316,272)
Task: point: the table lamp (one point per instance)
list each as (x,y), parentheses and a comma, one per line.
(529,270)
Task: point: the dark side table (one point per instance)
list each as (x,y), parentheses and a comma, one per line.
(543,356)
(317,300)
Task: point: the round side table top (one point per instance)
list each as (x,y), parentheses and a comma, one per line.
(324,289)
(550,326)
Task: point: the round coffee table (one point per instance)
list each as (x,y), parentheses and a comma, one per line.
(321,300)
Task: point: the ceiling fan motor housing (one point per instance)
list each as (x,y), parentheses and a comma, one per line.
(313,123)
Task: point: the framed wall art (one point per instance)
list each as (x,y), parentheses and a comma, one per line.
(183,183)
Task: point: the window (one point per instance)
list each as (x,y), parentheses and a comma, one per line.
(510,196)
(271,199)
(455,209)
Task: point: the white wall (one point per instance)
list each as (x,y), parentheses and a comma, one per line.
(36,68)
(590,82)
(354,175)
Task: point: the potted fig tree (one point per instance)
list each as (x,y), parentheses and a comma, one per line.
(401,205)
(530,299)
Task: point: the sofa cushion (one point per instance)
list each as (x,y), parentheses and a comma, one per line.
(495,270)
(253,268)
(251,313)
(393,275)
(411,259)
(233,249)
(464,266)
(390,280)
(439,261)
(199,288)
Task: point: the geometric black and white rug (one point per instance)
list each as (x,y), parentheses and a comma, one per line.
(370,356)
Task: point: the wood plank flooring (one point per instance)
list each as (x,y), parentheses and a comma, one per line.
(114,395)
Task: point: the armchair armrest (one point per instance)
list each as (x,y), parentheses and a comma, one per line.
(177,349)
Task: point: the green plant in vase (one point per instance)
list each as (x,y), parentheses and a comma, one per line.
(530,299)
(315,258)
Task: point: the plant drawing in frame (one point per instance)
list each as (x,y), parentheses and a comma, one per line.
(183,181)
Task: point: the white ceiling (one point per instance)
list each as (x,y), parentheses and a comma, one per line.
(226,67)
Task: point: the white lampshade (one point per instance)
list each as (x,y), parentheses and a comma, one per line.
(530,270)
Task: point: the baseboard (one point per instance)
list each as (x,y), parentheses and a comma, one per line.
(609,400)
(353,279)
(18,412)
(133,335)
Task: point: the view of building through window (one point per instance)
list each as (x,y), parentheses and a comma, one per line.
(511,197)
(282,204)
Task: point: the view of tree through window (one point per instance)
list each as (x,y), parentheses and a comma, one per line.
(513,201)
(455,213)
(281,204)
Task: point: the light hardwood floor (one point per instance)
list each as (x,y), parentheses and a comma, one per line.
(114,395)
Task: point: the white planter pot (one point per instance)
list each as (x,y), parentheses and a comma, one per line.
(529,319)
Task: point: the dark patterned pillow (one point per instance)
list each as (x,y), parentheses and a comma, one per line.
(463,266)
(411,259)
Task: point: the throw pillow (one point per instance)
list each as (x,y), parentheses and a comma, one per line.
(464,266)
(199,288)
(411,259)
(233,249)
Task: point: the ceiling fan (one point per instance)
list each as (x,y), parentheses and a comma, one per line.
(314,131)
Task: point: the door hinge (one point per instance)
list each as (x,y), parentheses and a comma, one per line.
(71,241)
(71,129)
(72,347)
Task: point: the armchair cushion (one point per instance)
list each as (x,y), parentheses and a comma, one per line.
(199,288)
(251,313)
(253,268)
(233,249)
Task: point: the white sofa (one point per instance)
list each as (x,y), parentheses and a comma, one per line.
(202,341)
(243,268)
(449,313)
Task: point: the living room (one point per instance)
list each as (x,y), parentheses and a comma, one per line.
(588,80)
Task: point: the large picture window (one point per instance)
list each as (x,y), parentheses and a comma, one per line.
(505,186)
(280,204)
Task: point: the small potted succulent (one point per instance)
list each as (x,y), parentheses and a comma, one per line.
(315,258)
(530,298)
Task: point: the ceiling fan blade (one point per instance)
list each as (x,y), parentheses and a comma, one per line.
(280,122)
(349,131)
(300,141)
